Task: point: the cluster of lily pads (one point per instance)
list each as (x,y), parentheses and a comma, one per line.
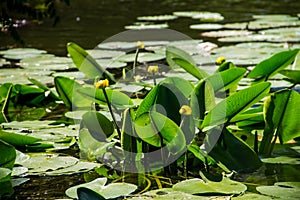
(120,123)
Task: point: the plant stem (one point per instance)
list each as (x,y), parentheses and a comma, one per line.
(135,61)
(111,112)
(154,78)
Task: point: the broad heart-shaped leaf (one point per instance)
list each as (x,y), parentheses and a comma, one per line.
(87,64)
(8,155)
(233,152)
(67,90)
(16,139)
(190,68)
(174,52)
(98,125)
(198,186)
(226,79)
(272,65)
(43,87)
(116,98)
(292,75)
(282,190)
(109,191)
(281,118)
(224,111)
(153,125)
(202,99)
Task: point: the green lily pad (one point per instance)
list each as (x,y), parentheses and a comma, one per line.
(226,33)
(168,194)
(108,63)
(282,190)
(112,190)
(20,53)
(206,26)
(204,16)
(282,160)
(198,186)
(75,75)
(242,25)
(79,167)
(251,196)
(142,57)
(275,17)
(146,26)
(17,171)
(158,18)
(117,45)
(3,62)
(98,53)
(41,163)
(266,24)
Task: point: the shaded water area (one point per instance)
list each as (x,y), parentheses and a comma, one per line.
(90,22)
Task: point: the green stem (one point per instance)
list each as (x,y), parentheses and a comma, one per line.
(111,112)
(135,61)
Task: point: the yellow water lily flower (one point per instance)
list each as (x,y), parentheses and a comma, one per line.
(140,44)
(220,60)
(102,84)
(153,69)
(185,110)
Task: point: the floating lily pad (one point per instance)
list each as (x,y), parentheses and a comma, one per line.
(169,194)
(275,17)
(206,26)
(98,53)
(41,163)
(142,57)
(282,160)
(112,190)
(208,17)
(158,18)
(204,16)
(79,167)
(251,196)
(226,33)
(21,53)
(75,75)
(3,62)
(108,63)
(17,171)
(265,24)
(251,38)
(198,186)
(146,26)
(282,190)
(242,25)
(117,45)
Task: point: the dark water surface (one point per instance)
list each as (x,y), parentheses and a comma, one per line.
(89,22)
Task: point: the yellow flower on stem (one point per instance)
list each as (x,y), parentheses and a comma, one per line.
(220,60)
(102,84)
(185,110)
(153,69)
(140,44)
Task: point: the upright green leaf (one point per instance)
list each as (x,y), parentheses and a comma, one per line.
(193,69)
(151,126)
(292,75)
(65,87)
(233,152)
(174,52)
(281,118)
(226,79)
(272,65)
(87,64)
(88,194)
(43,87)
(147,102)
(224,111)
(98,125)
(116,98)
(8,155)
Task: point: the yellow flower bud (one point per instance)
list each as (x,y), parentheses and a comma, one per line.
(185,110)
(153,69)
(102,84)
(220,60)
(140,44)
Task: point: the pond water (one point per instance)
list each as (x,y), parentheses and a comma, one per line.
(89,22)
